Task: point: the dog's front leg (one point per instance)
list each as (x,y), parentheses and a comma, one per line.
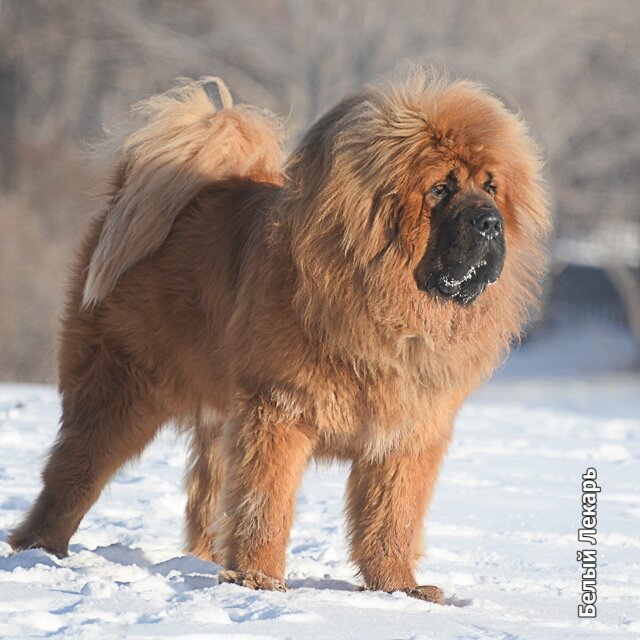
(386,502)
(266,454)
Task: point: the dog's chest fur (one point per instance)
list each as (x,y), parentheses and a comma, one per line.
(371,417)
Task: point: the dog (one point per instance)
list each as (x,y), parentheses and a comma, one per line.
(340,303)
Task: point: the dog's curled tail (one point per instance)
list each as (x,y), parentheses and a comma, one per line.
(189,137)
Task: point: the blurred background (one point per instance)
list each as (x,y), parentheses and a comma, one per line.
(67,68)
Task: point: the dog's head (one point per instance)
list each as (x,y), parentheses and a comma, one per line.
(432,190)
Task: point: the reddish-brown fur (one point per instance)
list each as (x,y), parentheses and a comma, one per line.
(279,321)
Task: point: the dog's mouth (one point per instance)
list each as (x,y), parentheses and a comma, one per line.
(449,286)
(467,287)
(462,284)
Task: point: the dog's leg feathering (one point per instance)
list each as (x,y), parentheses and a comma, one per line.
(386,503)
(109,414)
(266,456)
(204,483)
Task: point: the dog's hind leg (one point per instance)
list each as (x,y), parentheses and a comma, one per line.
(204,480)
(110,412)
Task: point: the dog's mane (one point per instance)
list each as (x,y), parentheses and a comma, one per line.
(349,184)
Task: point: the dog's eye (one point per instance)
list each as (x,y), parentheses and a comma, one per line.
(491,189)
(440,190)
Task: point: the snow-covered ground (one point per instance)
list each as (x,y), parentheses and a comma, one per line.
(501,535)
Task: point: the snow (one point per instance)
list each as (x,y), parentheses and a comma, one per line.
(501,535)
(452,282)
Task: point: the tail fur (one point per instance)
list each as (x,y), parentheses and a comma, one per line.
(190,136)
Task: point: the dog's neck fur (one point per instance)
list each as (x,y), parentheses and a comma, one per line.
(398,328)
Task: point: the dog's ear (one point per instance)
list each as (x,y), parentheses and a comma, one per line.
(396,223)
(372,227)
(403,223)
(413,223)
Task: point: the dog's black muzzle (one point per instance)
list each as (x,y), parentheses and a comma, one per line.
(466,253)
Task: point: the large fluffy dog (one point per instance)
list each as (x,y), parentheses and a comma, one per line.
(333,305)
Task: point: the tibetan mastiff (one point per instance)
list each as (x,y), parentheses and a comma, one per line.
(340,303)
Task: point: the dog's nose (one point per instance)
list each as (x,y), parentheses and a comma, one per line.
(488,223)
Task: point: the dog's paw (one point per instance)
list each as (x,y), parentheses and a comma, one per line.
(427,592)
(20,541)
(251,580)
